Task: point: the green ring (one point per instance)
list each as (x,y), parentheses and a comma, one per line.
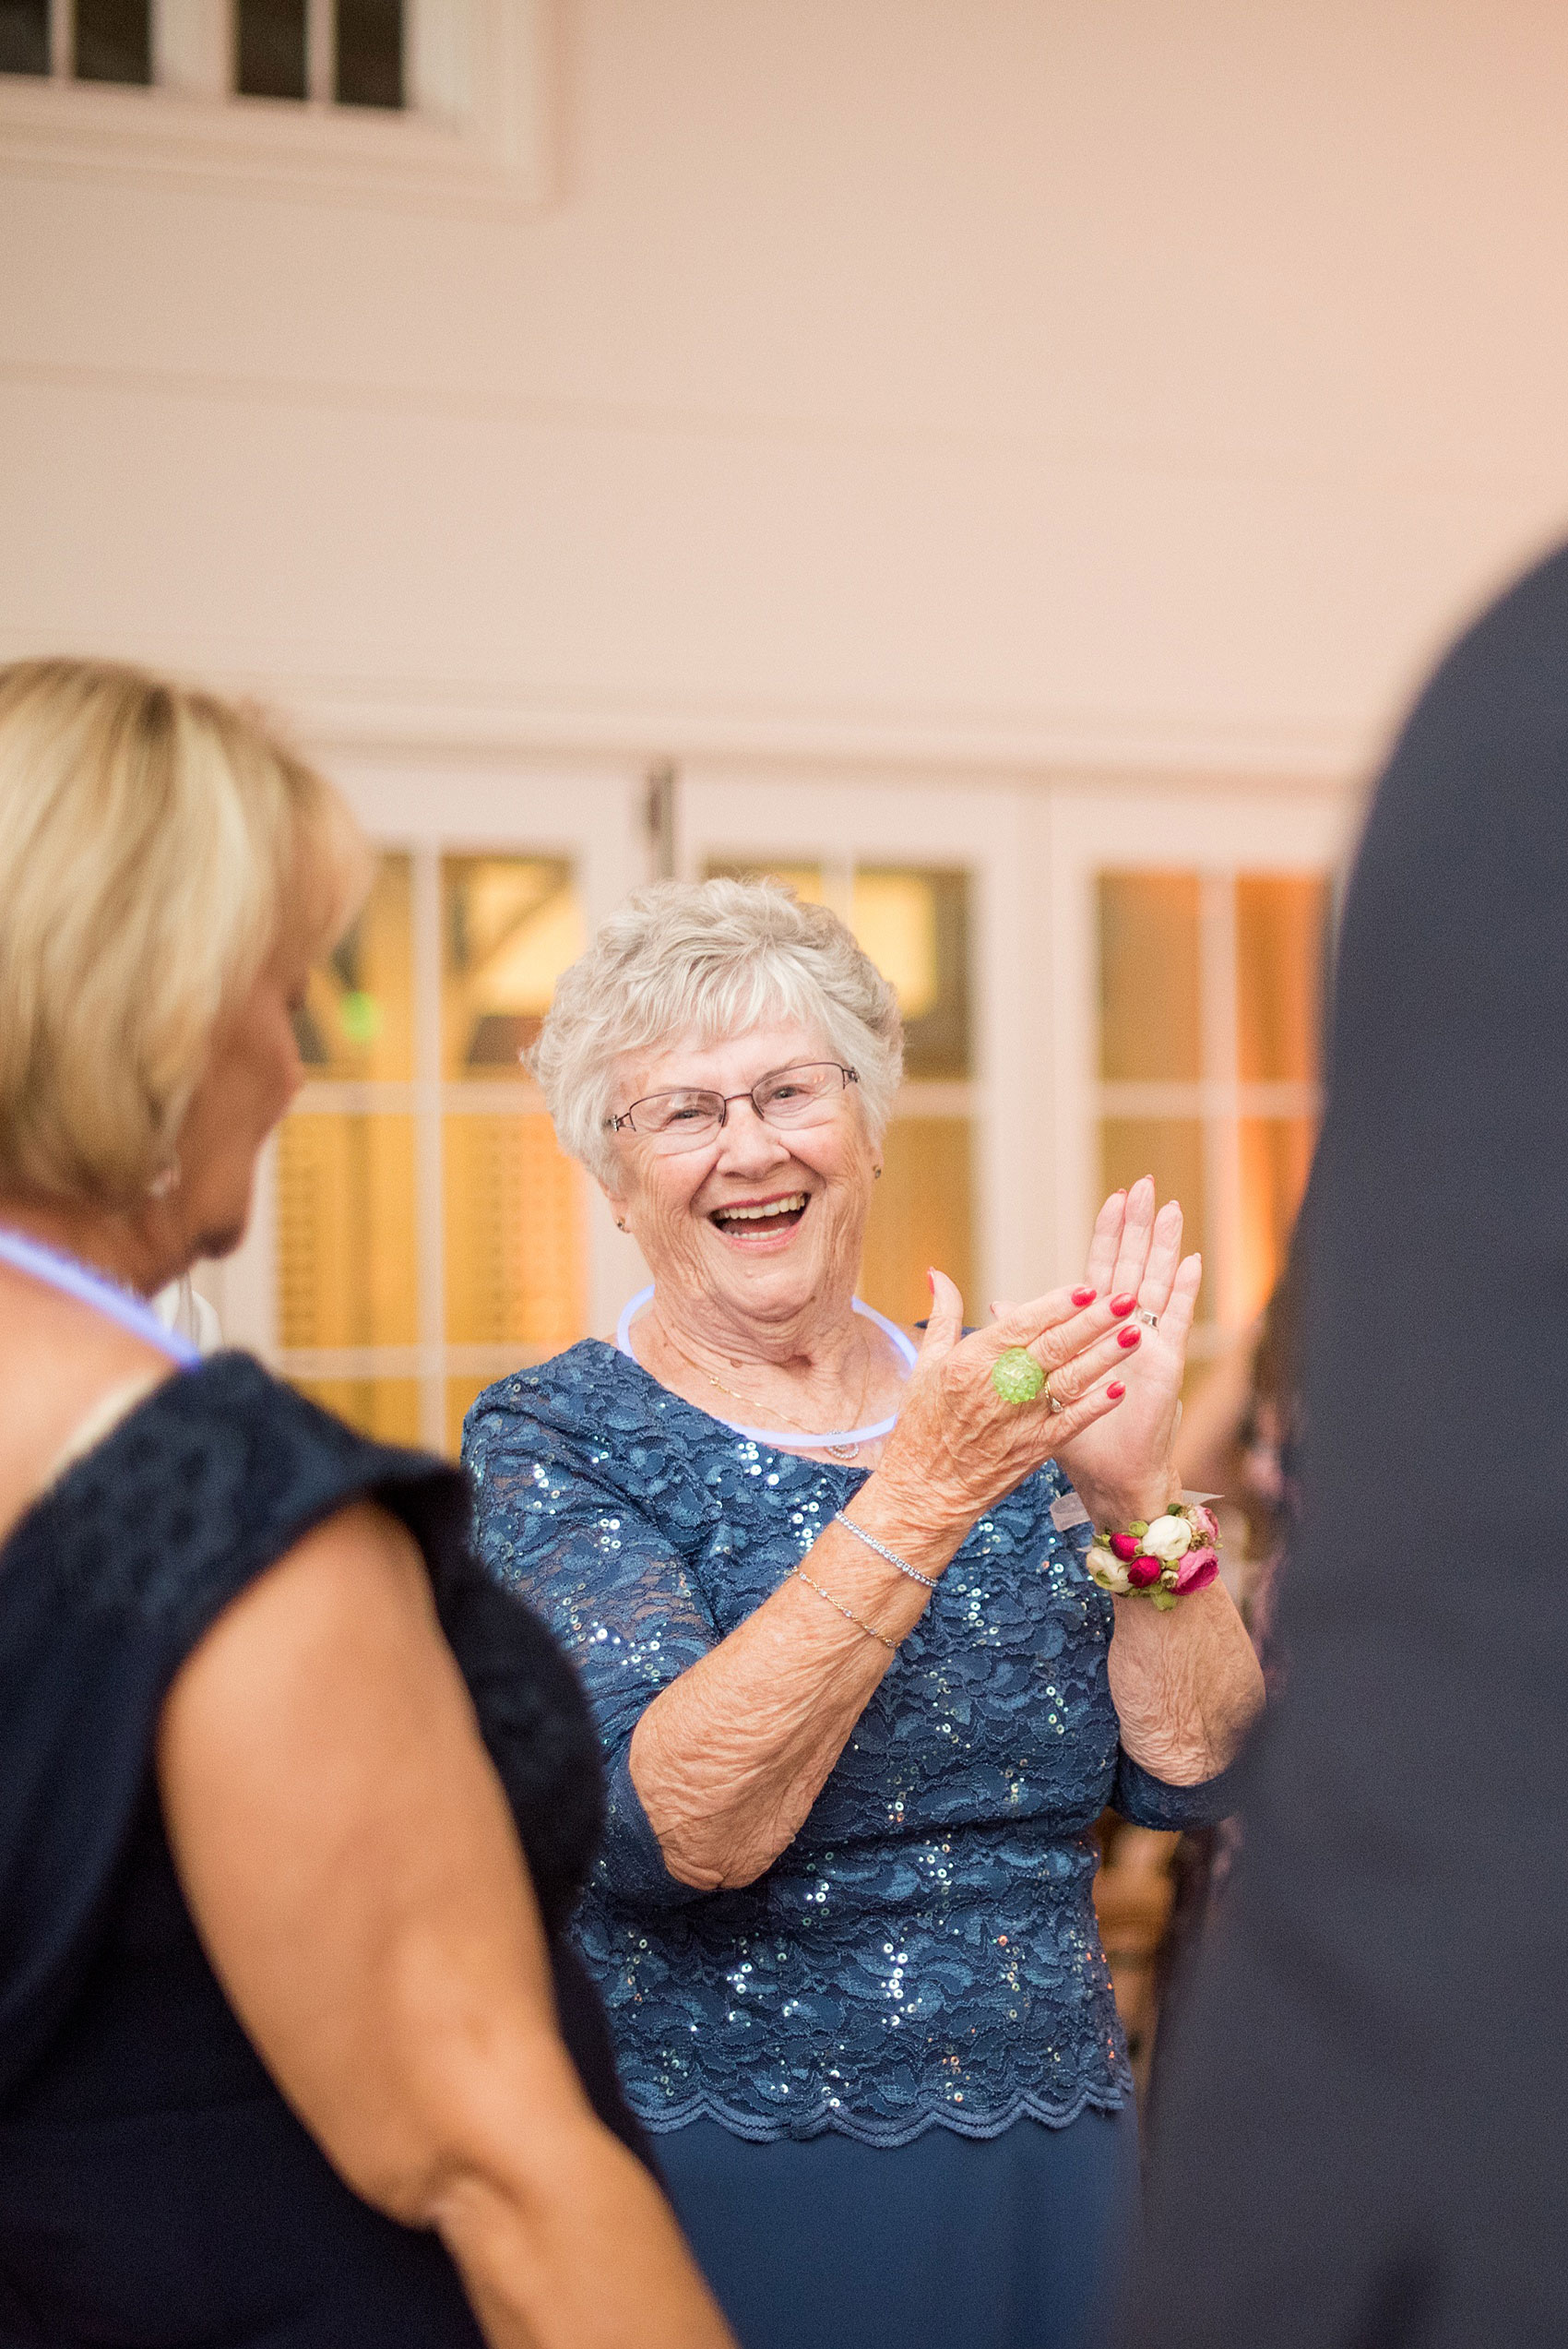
(1016,1376)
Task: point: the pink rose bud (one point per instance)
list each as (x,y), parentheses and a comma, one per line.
(1142,1571)
(1206,1522)
(1125,1546)
(1197,1570)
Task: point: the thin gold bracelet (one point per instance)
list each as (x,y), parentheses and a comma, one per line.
(848,1613)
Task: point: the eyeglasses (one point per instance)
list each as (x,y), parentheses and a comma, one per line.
(807,1094)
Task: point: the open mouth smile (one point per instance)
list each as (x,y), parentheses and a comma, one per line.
(751,1221)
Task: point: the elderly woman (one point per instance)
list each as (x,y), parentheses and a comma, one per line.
(860,1698)
(290,2049)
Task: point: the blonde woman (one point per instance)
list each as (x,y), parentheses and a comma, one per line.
(291,2046)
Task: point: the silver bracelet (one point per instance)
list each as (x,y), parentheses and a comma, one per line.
(882,1550)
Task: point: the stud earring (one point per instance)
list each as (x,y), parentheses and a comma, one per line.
(167,1179)
(619,1225)
(876,1174)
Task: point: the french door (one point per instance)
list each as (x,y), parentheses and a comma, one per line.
(417,1232)
(1190,932)
(939,883)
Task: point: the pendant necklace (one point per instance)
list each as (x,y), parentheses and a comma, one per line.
(840,1443)
(846,1452)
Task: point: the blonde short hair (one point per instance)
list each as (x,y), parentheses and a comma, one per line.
(148,838)
(706,960)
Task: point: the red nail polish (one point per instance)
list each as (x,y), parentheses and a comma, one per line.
(1083,1296)
(1116,1390)
(1128,1336)
(930,1282)
(1123,1305)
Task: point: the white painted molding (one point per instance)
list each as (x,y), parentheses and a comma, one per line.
(1068,745)
(439,60)
(477,138)
(192,47)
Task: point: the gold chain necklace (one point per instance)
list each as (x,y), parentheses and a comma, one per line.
(834,1451)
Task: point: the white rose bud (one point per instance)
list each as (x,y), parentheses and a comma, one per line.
(1169,1538)
(1107,1570)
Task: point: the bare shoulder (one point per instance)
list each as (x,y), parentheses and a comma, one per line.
(59,1361)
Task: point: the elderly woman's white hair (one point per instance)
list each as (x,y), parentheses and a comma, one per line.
(704,961)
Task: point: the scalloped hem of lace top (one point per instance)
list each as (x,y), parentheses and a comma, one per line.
(661,2119)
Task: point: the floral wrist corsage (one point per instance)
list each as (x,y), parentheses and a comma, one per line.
(1169,1558)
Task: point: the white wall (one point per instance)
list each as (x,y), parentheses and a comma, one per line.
(1138,383)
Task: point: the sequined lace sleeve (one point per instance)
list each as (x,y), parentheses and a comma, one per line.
(552,1526)
(1147,1801)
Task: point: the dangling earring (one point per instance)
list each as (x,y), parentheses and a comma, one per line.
(167,1179)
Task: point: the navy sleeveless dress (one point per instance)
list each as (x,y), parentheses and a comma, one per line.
(155,2190)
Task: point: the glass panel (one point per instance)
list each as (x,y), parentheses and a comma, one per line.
(1276,1155)
(113,40)
(804,879)
(388,1408)
(370,53)
(515,1242)
(914,924)
(922,1213)
(1149,1023)
(510,925)
(1171,1150)
(358,1019)
(24,36)
(346,1255)
(270,49)
(1281,921)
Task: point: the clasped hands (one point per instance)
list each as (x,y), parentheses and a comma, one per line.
(1114,1376)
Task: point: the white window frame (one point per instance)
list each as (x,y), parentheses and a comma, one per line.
(476,132)
(592,818)
(1217,833)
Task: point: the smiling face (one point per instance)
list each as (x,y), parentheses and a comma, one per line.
(759,1224)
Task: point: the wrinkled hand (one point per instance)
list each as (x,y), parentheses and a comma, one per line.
(958,1446)
(1121,1467)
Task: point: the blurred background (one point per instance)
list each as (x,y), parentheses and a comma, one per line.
(1003,464)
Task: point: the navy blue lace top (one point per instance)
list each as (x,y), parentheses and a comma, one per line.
(154,2185)
(925,1950)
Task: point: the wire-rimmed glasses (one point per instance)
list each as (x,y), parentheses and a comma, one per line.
(806,1093)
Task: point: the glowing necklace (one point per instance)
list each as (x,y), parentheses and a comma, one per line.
(80,1280)
(842,1442)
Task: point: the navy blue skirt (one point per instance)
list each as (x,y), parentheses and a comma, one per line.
(1012,2242)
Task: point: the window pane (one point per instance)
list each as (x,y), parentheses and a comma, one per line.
(914,924)
(515,1245)
(1276,1155)
(922,1213)
(1280,925)
(1171,1150)
(1149,1022)
(358,1017)
(370,53)
(113,40)
(510,926)
(388,1408)
(270,49)
(24,36)
(346,1254)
